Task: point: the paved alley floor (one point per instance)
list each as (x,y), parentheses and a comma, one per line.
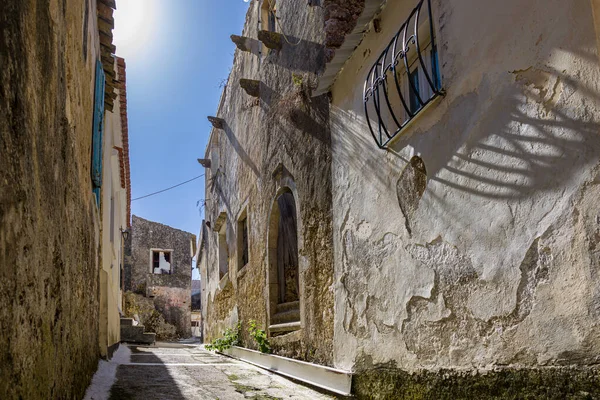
(170,371)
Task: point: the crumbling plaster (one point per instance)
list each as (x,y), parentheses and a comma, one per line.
(284,130)
(500,264)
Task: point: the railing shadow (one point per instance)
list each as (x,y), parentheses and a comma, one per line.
(523,143)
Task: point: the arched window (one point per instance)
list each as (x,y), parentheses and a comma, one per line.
(268,15)
(284,289)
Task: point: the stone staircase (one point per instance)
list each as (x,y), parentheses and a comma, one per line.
(135,334)
(286,318)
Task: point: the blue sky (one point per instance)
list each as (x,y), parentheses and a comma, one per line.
(177,53)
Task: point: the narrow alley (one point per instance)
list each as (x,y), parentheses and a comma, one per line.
(172,371)
(299,199)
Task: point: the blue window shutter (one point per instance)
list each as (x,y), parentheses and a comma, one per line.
(98,128)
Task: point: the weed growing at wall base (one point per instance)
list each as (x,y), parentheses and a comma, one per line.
(230,338)
(260,337)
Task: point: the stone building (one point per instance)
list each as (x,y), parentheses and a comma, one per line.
(268,243)
(61,103)
(400,188)
(160,267)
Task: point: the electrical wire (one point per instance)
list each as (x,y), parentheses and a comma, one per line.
(172,187)
(272,9)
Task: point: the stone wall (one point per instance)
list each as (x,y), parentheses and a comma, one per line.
(473,243)
(49,230)
(171,292)
(278,141)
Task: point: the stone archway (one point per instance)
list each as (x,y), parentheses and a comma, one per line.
(283,274)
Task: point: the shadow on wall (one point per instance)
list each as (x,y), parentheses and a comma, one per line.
(522,143)
(241,152)
(149,380)
(299,55)
(296,107)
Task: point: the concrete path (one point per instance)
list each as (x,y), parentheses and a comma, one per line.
(170,371)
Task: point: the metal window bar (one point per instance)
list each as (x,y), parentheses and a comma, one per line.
(378,93)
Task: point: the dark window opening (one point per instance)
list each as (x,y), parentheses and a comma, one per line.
(272,21)
(223,252)
(287,250)
(244,249)
(413,88)
(161,262)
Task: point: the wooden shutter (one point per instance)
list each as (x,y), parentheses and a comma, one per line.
(98,128)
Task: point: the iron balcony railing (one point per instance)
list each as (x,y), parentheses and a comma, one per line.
(394,95)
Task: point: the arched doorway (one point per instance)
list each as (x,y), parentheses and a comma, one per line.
(284,288)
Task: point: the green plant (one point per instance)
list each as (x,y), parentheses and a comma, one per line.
(297,79)
(231,337)
(260,337)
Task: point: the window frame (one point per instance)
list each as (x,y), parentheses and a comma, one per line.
(160,250)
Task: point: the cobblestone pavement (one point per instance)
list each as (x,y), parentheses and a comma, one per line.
(176,372)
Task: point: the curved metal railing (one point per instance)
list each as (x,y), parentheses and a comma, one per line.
(391,118)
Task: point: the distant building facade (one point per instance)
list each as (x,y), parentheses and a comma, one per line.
(395,188)
(160,267)
(196,308)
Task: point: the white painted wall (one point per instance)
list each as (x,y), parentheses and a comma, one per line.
(500,268)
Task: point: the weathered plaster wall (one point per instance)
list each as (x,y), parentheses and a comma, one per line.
(278,140)
(114,199)
(49,229)
(491,258)
(171,293)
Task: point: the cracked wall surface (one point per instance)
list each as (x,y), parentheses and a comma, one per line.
(276,141)
(490,257)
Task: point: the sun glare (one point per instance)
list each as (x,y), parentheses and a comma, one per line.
(134,22)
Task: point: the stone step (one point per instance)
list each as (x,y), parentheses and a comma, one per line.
(148,338)
(283,307)
(126,321)
(286,317)
(284,328)
(136,334)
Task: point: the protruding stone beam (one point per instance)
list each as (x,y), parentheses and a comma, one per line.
(218,123)
(242,42)
(205,162)
(272,40)
(251,87)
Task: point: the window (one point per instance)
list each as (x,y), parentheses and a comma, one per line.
(405,78)
(242,241)
(416,85)
(413,89)
(223,251)
(269,15)
(161,262)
